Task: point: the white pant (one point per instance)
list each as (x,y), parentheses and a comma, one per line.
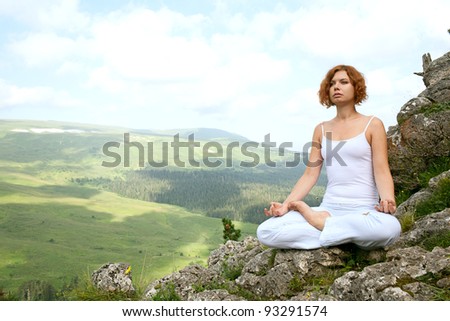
(361,225)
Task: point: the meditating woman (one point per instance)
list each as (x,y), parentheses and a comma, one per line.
(359,196)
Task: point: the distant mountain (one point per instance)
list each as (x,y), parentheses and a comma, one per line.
(69,127)
(199,133)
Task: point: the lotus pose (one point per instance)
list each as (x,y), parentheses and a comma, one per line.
(359,197)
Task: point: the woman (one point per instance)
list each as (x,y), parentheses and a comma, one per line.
(359,198)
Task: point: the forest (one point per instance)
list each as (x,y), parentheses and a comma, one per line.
(235,193)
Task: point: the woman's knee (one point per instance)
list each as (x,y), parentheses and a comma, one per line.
(395,229)
(390,230)
(263,233)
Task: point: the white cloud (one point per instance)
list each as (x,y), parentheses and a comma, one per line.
(102,78)
(144,44)
(221,67)
(43,48)
(11,95)
(46,14)
(144,49)
(353,30)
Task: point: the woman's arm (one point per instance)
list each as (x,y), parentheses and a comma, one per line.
(381,170)
(306,181)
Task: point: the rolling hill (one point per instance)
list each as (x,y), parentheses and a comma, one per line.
(63,214)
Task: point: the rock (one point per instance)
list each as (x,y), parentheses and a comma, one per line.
(435,70)
(113,277)
(279,274)
(402,273)
(233,255)
(312,296)
(409,206)
(439,92)
(433,182)
(214,295)
(423,130)
(429,225)
(397,279)
(224,265)
(444,283)
(185,282)
(412,107)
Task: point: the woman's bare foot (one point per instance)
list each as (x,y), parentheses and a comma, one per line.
(315,218)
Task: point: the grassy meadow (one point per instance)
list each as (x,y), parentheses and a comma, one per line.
(54,230)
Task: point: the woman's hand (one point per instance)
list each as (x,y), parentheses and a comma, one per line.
(386,206)
(276,209)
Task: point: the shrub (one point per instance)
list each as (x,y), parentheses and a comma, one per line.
(229,231)
(167,293)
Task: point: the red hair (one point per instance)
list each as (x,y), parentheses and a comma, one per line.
(356,79)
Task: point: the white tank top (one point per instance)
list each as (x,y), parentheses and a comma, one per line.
(349,170)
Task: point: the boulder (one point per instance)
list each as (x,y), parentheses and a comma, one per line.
(113,277)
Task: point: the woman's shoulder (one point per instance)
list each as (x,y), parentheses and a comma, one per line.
(374,122)
(375,130)
(324,123)
(320,126)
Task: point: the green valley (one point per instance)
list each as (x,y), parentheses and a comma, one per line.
(63,215)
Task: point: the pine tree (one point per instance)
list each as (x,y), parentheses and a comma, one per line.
(229,232)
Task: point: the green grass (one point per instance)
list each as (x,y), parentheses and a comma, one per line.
(439,200)
(55,230)
(441,239)
(434,167)
(435,108)
(55,233)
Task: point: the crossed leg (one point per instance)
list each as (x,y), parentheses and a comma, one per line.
(315,218)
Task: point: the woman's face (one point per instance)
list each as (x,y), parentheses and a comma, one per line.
(341,89)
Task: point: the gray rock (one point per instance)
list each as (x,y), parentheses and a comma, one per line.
(397,279)
(423,132)
(279,274)
(185,282)
(214,295)
(409,206)
(433,182)
(233,254)
(438,92)
(113,277)
(412,107)
(436,70)
(431,224)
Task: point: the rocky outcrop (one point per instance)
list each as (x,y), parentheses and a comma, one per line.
(436,77)
(421,138)
(409,274)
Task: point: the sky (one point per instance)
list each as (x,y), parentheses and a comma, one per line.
(249,67)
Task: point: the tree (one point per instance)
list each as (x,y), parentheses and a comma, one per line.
(229,232)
